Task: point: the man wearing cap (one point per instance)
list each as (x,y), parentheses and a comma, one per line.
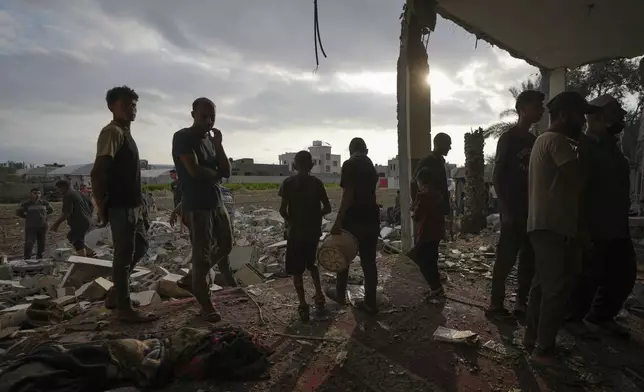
(610,269)
(510,180)
(554,185)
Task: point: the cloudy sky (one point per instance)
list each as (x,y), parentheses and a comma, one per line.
(255,58)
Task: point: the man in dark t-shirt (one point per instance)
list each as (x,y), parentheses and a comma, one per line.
(510,180)
(77,211)
(304,202)
(201,162)
(359,214)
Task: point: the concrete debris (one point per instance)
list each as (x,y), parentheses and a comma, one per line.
(146,298)
(449,335)
(95,290)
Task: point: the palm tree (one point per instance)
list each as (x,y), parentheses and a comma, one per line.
(475,193)
(508,117)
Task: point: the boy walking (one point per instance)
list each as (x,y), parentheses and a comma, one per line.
(35,213)
(304,202)
(430,219)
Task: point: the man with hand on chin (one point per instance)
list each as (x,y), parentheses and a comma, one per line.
(201,163)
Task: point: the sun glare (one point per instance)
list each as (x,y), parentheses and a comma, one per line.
(441,86)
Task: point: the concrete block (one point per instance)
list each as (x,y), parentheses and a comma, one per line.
(242,255)
(66,300)
(16,308)
(6,272)
(95,290)
(146,298)
(249,276)
(86,269)
(167,287)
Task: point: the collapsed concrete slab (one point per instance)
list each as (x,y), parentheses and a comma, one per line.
(85,269)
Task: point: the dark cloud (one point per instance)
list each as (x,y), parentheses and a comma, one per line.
(255,58)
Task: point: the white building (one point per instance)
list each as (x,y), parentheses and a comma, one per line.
(323,160)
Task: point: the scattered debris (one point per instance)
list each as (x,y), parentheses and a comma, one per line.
(449,335)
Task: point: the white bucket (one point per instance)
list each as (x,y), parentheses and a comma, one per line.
(337,251)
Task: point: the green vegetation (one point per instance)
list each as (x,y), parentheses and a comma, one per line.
(261,186)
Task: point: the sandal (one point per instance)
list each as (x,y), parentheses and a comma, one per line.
(135,316)
(435,294)
(498,313)
(332,294)
(320,305)
(303,312)
(211,317)
(110,300)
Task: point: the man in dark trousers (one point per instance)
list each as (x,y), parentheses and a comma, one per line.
(201,162)
(434,164)
(610,266)
(77,211)
(35,213)
(116,182)
(510,180)
(359,214)
(554,187)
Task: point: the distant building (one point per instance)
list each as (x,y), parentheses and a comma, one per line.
(324,161)
(248,167)
(382,170)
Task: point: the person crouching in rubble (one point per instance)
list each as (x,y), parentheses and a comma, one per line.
(201,162)
(360,216)
(609,266)
(304,202)
(77,211)
(430,219)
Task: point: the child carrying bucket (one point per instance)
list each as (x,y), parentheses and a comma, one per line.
(304,202)
(430,222)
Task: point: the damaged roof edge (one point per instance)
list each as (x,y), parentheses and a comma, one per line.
(514,53)
(479,34)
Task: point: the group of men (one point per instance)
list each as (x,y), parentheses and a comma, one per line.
(201,163)
(564,200)
(77,211)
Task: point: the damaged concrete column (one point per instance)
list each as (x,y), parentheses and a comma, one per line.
(553,82)
(414,103)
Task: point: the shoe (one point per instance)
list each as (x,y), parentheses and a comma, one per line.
(303,312)
(579,329)
(332,294)
(367,308)
(439,293)
(611,326)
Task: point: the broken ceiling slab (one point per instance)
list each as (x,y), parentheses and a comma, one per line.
(570,33)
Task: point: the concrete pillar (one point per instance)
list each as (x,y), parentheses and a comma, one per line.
(553,82)
(414,137)
(544,87)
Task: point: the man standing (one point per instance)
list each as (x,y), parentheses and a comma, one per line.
(116,182)
(201,162)
(510,179)
(553,193)
(434,163)
(35,213)
(359,214)
(610,269)
(77,210)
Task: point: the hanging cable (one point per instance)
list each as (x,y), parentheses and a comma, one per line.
(317,40)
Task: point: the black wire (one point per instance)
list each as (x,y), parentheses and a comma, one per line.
(316,36)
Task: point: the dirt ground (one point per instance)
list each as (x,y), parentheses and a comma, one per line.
(392,352)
